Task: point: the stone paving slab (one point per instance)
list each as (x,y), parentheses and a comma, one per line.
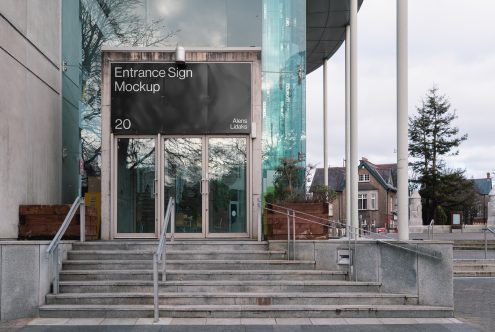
(235,321)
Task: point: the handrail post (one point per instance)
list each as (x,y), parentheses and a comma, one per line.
(55,270)
(82,220)
(293,235)
(155,288)
(172,216)
(351,256)
(486,242)
(355,252)
(260,212)
(161,253)
(288,234)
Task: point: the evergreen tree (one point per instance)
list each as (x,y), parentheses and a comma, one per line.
(432,136)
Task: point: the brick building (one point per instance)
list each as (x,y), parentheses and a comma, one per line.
(377,197)
(483,187)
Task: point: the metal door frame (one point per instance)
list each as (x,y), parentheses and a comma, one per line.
(162,202)
(247,233)
(114,194)
(205,187)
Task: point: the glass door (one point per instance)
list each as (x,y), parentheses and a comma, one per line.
(207,176)
(136,196)
(184,181)
(227,185)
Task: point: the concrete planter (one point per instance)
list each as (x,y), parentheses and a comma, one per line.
(311,226)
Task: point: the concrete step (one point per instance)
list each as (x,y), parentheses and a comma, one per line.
(480,241)
(221,286)
(173,245)
(473,261)
(245,311)
(86,275)
(188,265)
(266,298)
(474,247)
(223,254)
(480,274)
(475,267)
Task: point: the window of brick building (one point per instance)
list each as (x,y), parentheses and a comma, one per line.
(362,201)
(364,178)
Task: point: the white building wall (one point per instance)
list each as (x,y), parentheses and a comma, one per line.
(30,111)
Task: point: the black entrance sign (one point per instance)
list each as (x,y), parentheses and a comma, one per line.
(196,98)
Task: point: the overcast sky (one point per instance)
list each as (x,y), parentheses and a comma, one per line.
(451,45)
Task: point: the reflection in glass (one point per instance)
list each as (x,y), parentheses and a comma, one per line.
(183,165)
(135,185)
(227,166)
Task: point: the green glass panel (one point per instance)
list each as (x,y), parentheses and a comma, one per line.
(284,84)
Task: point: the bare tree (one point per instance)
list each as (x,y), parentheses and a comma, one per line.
(118,23)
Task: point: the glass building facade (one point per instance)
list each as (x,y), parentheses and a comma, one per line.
(277,26)
(284,85)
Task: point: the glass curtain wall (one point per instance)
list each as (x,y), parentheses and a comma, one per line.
(284,86)
(88,24)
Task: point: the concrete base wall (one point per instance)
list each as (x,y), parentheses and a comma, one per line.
(398,270)
(25,277)
(443,229)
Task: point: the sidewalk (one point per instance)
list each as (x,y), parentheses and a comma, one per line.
(238,324)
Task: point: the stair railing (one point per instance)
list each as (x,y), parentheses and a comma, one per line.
(430,228)
(53,249)
(352,234)
(159,256)
(485,232)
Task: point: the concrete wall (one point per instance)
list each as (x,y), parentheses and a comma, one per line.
(398,270)
(30,125)
(25,277)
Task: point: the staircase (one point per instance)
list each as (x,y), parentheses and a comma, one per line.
(212,278)
(474,267)
(473,245)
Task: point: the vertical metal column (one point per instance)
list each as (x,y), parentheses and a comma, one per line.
(402,122)
(82,220)
(294,235)
(354,117)
(347,125)
(325,120)
(288,234)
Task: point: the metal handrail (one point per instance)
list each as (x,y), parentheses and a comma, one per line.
(485,231)
(160,254)
(430,226)
(327,222)
(53,248)
(354,232)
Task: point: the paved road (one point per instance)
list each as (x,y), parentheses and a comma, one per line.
(475,302)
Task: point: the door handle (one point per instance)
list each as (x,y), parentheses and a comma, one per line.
(153,194)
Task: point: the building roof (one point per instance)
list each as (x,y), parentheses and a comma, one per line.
(325,29)
(385,174)
(336,178)
(483,186)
